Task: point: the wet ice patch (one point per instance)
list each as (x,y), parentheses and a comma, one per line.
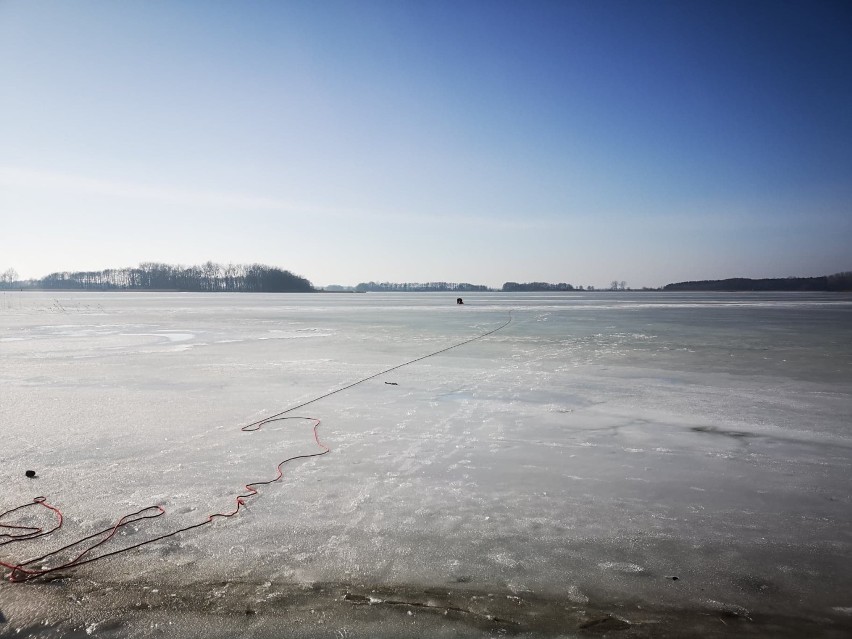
(169,336)
(177,337)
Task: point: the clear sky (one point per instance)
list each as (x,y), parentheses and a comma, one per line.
(564,141)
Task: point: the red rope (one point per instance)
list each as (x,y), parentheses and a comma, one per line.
(28,532)
(21,571)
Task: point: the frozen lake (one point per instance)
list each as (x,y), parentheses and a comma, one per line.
(639,464)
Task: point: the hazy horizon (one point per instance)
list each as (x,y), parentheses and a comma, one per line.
(483,142)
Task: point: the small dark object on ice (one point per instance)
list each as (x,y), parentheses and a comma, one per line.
(673,578)
(391,383)
(30,474)
(459,300)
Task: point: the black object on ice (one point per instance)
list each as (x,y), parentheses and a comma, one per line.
(30,474)
(391,383)
(459,300)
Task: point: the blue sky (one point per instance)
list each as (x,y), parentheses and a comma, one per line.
(575,142)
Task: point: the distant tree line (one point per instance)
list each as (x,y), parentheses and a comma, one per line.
(208,277)
(836,282)
(418,287)
(514,287)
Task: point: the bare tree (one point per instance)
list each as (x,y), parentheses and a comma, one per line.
(9,276)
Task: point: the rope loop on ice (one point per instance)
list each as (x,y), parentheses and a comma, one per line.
(26,570)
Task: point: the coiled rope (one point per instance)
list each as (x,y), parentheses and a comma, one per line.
(27,570)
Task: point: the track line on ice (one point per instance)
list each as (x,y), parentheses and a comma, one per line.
(18,532)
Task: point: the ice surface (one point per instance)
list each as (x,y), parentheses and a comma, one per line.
(581,458)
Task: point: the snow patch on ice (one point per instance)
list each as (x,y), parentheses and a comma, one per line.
(620,566)
(575,595)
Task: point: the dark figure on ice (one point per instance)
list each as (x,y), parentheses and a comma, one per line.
(459,300)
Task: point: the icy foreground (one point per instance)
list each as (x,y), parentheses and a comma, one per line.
(618,464)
